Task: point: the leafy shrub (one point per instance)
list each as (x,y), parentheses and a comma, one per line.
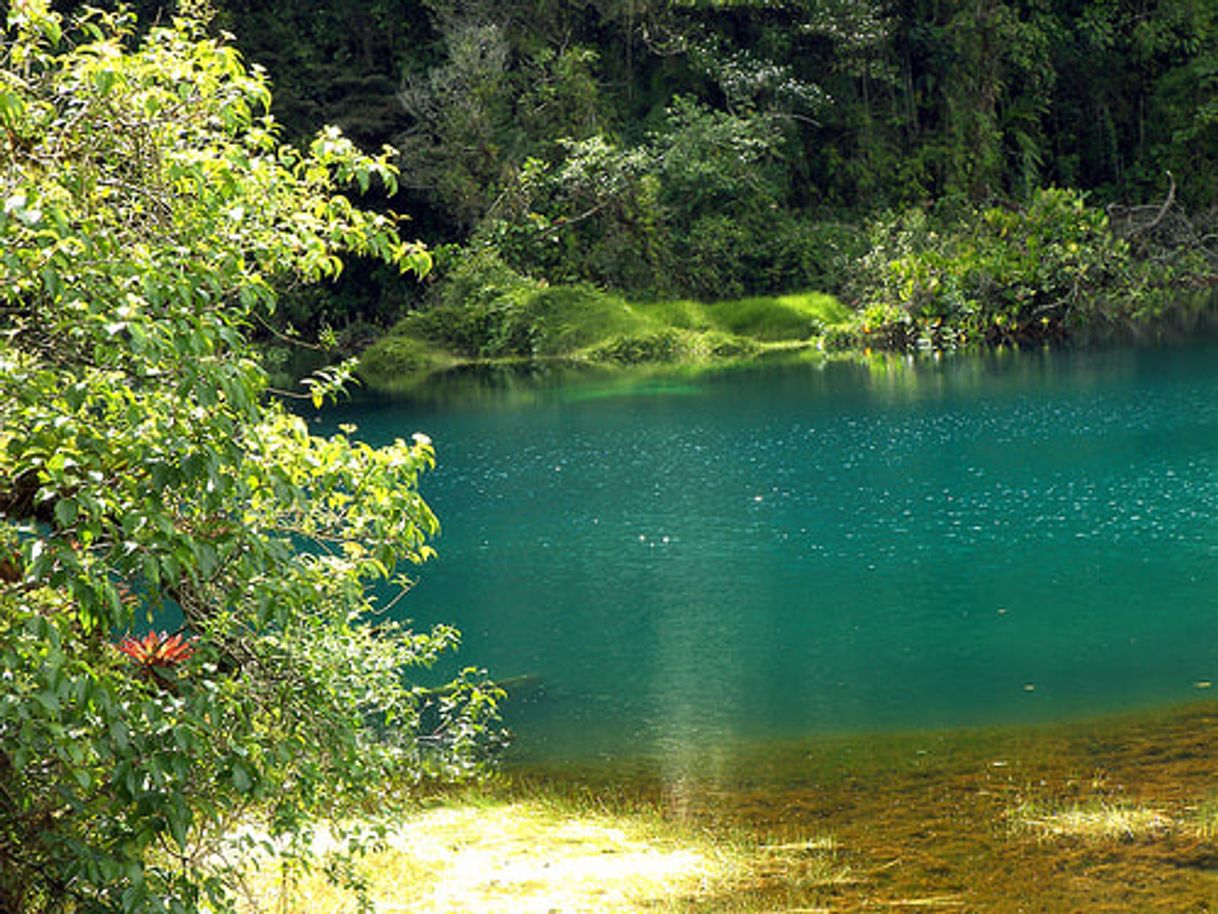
(839,339)
(395,356)
(807,254)
(1000,273)
(475,276)
(479,309)
(484,309)
(883,326)
(727,346)
(496,328)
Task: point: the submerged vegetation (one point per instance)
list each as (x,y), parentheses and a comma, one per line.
(1097,820)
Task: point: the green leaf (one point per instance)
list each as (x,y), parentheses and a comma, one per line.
(49,700)
(12,109)
(66,511)
(103,81)
(178,818)
(240,777)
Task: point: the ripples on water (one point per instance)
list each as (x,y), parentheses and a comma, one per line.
(772,553)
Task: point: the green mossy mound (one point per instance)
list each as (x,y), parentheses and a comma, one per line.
(485,314)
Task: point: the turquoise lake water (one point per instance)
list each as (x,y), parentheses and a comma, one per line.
(686,565)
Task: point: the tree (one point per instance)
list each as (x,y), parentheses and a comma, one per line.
(150,215)
(476,115)
(696,209)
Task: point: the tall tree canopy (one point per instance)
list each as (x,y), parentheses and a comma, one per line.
(150,214)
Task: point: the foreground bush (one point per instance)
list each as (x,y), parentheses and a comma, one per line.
(146,477)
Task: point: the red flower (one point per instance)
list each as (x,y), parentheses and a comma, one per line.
(156,650)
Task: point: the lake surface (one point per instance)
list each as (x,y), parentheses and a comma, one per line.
(688,565)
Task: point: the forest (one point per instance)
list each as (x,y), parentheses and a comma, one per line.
(1008,169)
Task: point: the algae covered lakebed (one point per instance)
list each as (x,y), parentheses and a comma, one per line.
(1112,814)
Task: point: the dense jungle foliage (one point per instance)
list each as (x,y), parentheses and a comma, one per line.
(597,177)
(712,149)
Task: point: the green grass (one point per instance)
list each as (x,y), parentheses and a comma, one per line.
(520,848)
(572,318)
(1203,820)
(765,319)
(584,324)
(1094,820)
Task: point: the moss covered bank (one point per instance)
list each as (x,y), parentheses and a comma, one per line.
(581,324)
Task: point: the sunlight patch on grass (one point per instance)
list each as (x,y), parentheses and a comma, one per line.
(535,855)
(1096,820)
(523,857)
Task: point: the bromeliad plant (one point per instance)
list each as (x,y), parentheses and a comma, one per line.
(148,213)
(156,655)
(156,650)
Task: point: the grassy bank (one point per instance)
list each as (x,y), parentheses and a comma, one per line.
(520,848)
(1050,271)
(1111,815)
(535,322)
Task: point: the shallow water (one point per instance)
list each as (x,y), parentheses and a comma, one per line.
(692,565)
